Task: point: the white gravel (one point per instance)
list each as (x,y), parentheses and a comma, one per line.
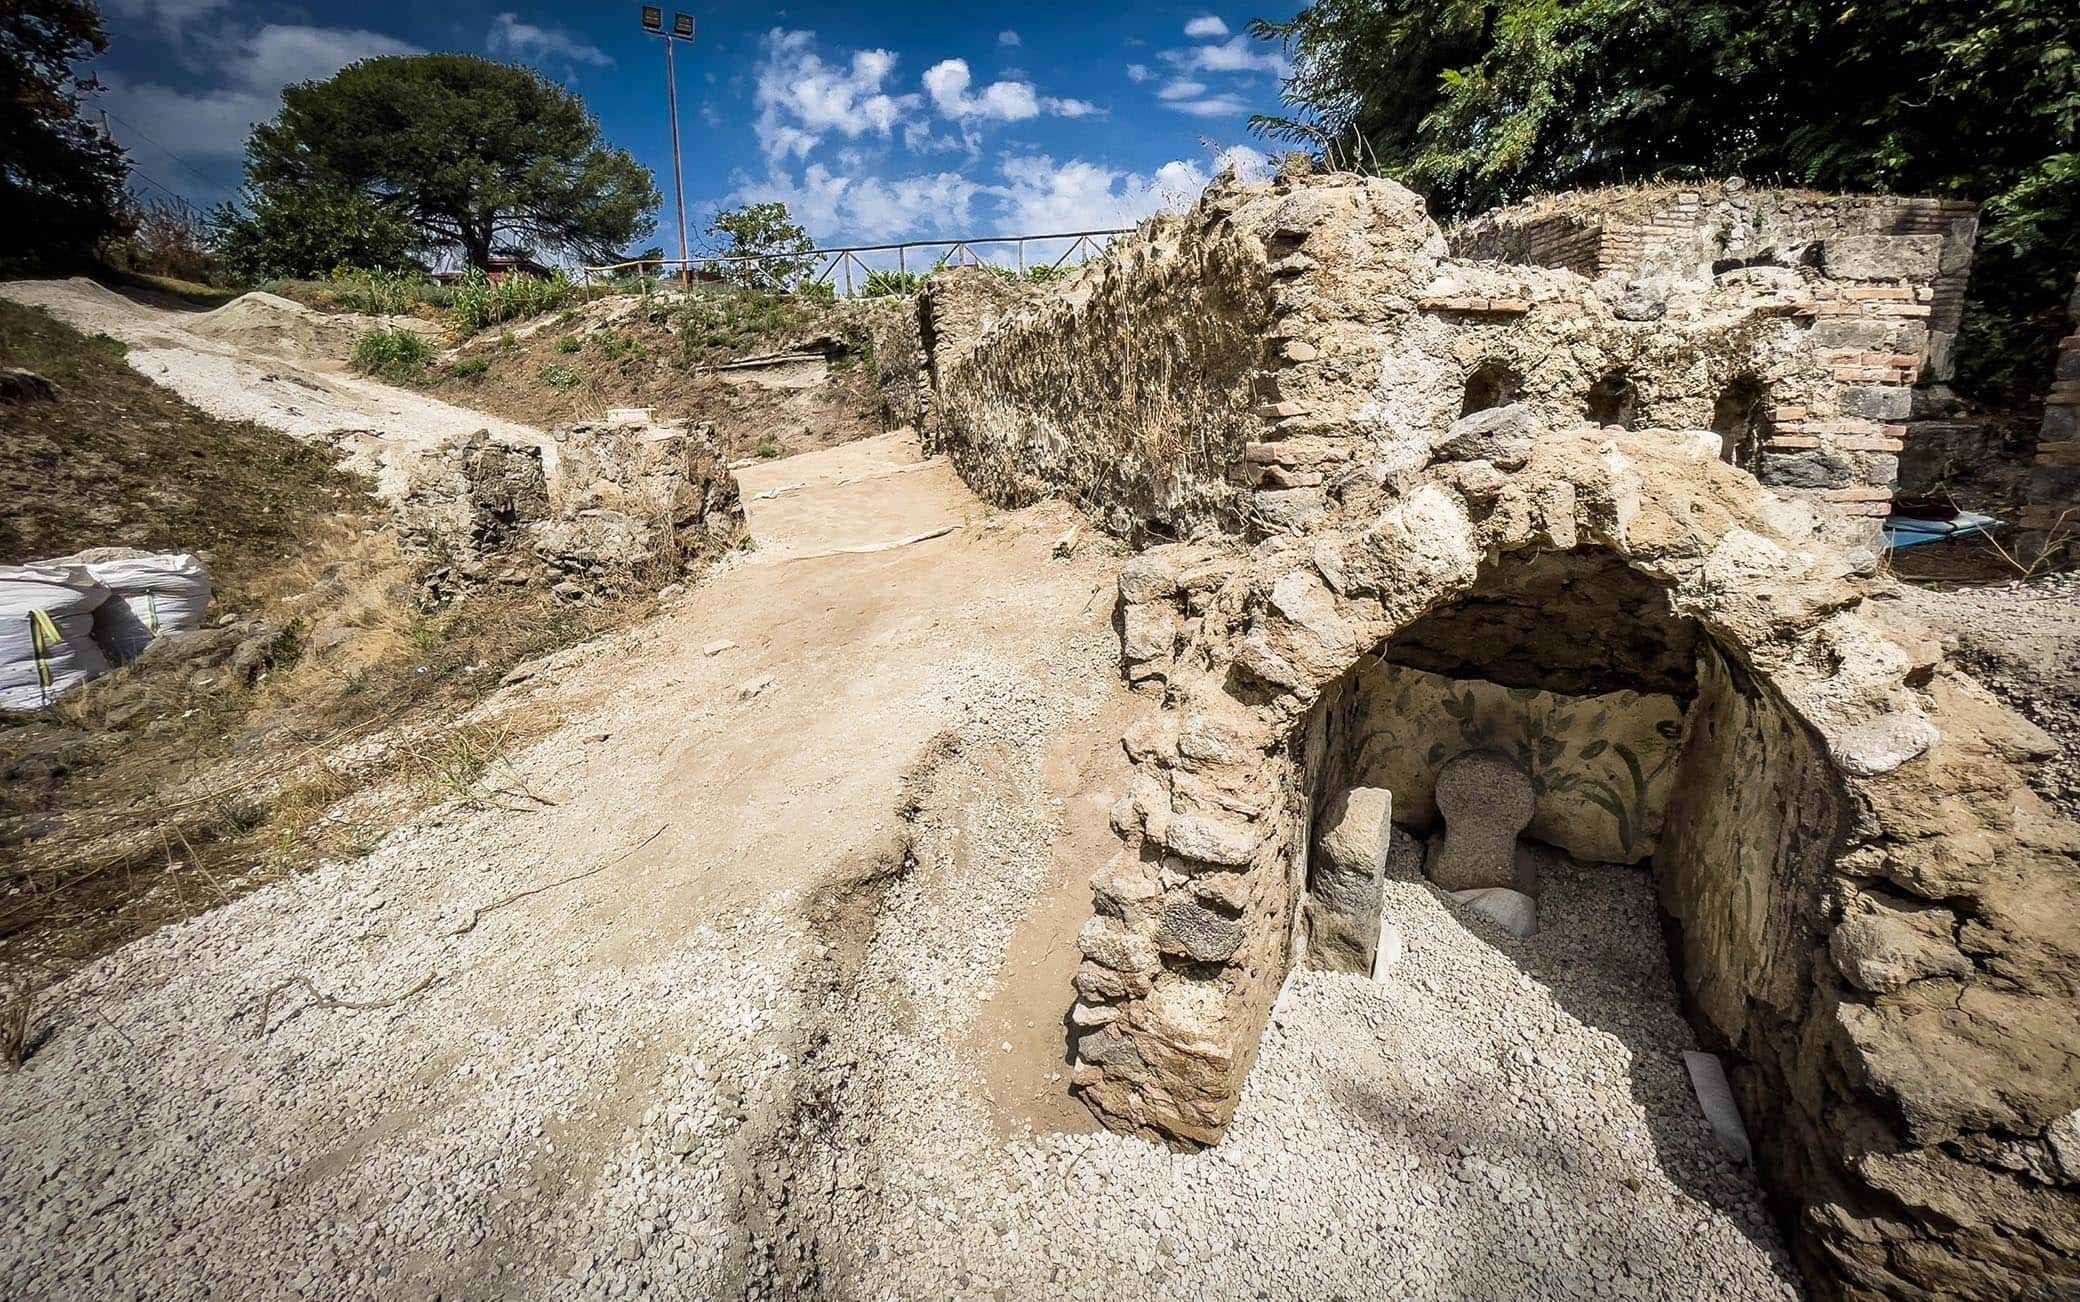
(1496,1118)
(297,384)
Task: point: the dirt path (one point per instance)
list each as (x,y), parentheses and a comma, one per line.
(275,363)
(760,992)
(589,1060)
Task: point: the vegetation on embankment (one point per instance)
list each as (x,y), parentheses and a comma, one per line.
(680,354)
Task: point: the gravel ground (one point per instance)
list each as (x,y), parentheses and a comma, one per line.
(718,1033)
(2022,640)
(1496,1118)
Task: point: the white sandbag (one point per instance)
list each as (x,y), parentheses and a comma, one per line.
(47,633)
(1715,1100)
(148,595)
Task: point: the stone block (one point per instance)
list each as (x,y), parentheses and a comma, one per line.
(1882,257)
(1485,802)
(1880,948)
(1198,933)
(1878,401)
(1807,470)
(1503,436)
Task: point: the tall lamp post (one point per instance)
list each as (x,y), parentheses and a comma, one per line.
(681,30)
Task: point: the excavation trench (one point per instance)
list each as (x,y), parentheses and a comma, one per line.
(1642,744)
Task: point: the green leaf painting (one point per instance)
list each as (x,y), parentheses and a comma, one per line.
(1600,767)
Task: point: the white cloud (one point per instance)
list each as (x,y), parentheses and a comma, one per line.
(801,98)
(1238,54)
(1206,27)
(1138,72)
(214,123)
(1033,195)
(829,204)
(1040,195)
(948,82)
(513,39)
(1212,106)
(1009,38)
(1182,89)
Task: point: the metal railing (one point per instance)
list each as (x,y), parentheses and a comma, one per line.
(821,266)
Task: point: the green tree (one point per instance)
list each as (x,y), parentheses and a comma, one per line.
(1478,104)
(61,179)
(768,233)
(469,154)
(306,232)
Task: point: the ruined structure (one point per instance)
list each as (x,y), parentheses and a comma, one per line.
(585,512)
(1410,499)
(2051,518)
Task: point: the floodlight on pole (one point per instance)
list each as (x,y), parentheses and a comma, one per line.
(682,30)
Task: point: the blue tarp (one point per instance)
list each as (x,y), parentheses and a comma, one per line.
(1912,531)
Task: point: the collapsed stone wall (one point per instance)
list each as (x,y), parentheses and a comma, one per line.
(1337,334)
(604,503)
(1873,908)
(2051,516)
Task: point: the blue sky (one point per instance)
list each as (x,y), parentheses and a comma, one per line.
(873,122)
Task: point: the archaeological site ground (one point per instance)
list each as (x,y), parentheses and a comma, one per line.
(1316,755)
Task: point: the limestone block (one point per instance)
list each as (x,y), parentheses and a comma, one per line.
(1506,907)
(1150,631)
(1290,508)
(1485,802)
(1096,981)
(1350,859)
(1126,888)
(1501,435)
(1355,832)
(1208,839)
(1198,933)
(1106,942)
(1880,948)
(1882,257)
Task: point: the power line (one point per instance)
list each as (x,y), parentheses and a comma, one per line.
(181,162)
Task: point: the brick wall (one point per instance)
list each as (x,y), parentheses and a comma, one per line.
(2051,519)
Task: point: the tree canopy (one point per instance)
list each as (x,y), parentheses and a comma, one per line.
(768,232)
(303,233)
(1482,103)
(61,179)
(469,154)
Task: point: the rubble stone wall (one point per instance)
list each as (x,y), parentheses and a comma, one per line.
(2051,517)
(1875,910)
(1873,906)
(1246,366)
(603,503)
(1127,389)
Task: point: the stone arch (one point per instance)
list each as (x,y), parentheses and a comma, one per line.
(1612,400)
(1851,1068)
(1741,419)
(1493,383)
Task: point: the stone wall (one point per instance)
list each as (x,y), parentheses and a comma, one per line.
(1244,366)
(603,505)
(1494,469)
(2051,516)
(1874,909)
(1127,388)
